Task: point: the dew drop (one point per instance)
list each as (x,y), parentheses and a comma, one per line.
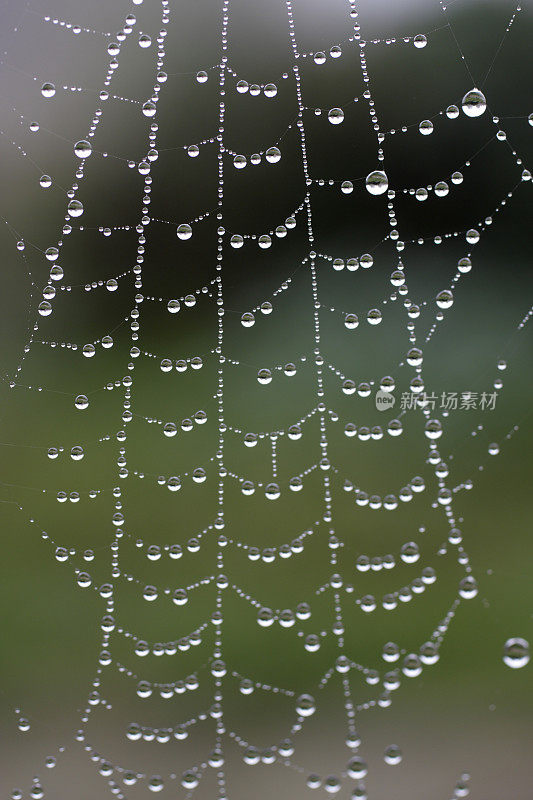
(392,755)
(48,90)
(184,231)
(336,116)
(516,652)
(377,182)
(474,103)
(83,148)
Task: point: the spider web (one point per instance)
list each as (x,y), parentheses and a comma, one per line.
(239,575)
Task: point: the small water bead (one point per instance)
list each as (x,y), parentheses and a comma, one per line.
(472,236)
(320,58)
(48,90)
(81,402)
(201,76)
(144,41)
(239,162)
(474,103)
(494,449)
(83,148)
(441,189)
(516,652)
(377,182)
(421,194)
(45,181)
(270,90)
(420,41)
(336,116)
(426,127)
(464,265)
(346,187)
(392,755)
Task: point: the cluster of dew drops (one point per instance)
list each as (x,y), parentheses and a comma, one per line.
(516,652)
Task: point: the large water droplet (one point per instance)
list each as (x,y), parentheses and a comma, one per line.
(516,652)
(474,103)
(377,182)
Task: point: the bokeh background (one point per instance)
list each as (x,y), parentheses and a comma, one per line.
(469,713)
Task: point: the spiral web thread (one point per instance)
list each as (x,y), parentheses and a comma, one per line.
(118,777)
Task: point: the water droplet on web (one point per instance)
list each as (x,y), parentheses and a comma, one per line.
(444,299)
(392,755)
(426,127)
(464,264)
(336,116)
(452,112)
(83,148)
(351,321)
(44,308)
(81,402)
(374,316)
(305,705)
(184,231)
(155,784)
(377,182)
(48,90)
(468,587)
(273,155)
(516,652)
(420,41)
(149,109)
(45,181)
(201,76)
(474,103)
(75,208)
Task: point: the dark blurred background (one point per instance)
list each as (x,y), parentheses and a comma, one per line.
(469,713)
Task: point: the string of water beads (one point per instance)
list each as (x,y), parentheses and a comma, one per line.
(356,770)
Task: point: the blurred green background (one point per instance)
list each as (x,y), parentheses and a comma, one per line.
(469,712)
